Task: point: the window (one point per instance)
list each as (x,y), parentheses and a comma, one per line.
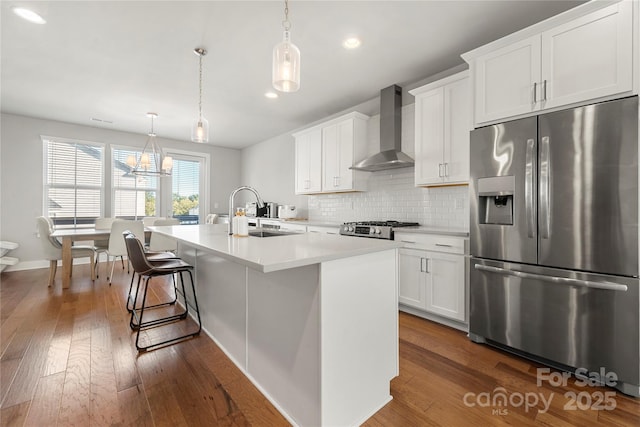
(73,181)
(185,189)
(134,196)
(184,195)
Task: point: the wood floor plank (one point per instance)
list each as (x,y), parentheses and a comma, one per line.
(31,366)
(104,408)
(8,370)
(134,407)
(14,416)
(164,406)
(45,404)
(76,396)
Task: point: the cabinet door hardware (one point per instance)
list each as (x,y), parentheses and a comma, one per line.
(535,90)
(443,245)
(407,241)
(544,90)
(446,169)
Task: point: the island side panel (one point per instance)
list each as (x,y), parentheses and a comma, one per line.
(221,290)
(283,345)
(359,312)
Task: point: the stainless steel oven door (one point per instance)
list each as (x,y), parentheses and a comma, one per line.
(577,319)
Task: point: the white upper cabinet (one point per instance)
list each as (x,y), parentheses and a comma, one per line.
(325,153)
(308,167)
(589,57)
(442,125)
(583,55)
(505,80)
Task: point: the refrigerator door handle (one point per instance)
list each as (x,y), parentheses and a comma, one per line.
(529,191)
(545,190)
(554,279)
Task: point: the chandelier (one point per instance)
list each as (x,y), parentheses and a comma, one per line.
(286,59)
(152,161)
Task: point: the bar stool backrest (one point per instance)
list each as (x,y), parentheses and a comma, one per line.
(135,252)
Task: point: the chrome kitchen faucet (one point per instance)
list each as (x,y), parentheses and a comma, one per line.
(231,203)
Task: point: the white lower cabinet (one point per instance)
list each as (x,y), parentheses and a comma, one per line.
(413,279)
(433,281)
(445,287)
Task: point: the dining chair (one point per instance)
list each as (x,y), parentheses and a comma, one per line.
(159,242)
(53,248)
(147,271)
(101,246)
(117,247)
(149,220)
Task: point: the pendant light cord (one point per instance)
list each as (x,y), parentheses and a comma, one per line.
(200,102)
(286,23)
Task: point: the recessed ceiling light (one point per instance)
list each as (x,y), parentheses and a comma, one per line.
(271,95)
(29,15)
(351,43)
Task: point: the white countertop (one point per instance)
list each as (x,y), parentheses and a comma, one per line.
(267,254)
(423,229)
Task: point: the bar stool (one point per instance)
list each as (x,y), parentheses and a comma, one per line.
(152,257)
(147,270)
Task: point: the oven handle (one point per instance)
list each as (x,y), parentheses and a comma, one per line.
(554,279)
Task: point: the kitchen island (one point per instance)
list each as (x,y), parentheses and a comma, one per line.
(310,318)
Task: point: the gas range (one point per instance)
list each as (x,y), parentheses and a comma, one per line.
(373,229)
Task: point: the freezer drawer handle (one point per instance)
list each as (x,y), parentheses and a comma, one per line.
(564,280)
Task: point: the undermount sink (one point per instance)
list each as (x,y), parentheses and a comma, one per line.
(270,233)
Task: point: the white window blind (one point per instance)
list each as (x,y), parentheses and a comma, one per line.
(73,181)
(134,196)
(185,195)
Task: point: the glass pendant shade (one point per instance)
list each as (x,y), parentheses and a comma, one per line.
(286,65)
(200,130)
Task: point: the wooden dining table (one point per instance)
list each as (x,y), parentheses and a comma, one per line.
(68,236)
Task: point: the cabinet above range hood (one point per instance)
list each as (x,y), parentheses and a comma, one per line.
(390,155)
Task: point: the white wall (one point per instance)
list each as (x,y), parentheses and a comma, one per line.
(269,167)
(21,173)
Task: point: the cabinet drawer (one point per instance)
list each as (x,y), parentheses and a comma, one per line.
(322,229)
(432,242)
(292,227)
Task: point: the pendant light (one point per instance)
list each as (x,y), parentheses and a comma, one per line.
(286,59)
(200,129)
(151,162)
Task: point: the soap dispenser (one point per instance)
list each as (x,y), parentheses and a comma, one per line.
(240,223)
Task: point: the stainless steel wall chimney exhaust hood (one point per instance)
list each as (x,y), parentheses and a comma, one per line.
(390,155)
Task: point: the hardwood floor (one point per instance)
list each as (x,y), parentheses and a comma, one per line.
(68,359)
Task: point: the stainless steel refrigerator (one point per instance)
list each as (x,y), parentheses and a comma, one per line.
(554,239)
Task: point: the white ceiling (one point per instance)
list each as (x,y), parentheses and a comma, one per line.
(117,60)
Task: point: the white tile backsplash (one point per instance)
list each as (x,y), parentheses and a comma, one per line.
(391,195)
